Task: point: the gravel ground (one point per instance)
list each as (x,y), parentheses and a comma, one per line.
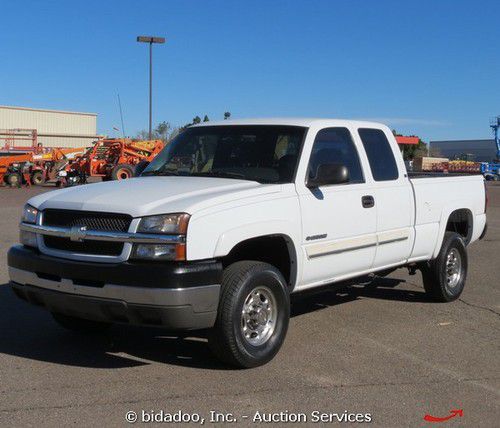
(380,349)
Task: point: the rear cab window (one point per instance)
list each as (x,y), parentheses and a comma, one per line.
(380,155)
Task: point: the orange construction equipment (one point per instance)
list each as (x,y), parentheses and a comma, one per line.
(11,168)
(15,153)
(35,168)
(15,140)
(111,159)
(47,165)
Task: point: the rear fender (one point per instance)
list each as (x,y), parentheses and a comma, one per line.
(445,215)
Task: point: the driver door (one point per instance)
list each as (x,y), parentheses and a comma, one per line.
(339,226)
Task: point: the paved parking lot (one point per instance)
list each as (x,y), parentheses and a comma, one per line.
(380,349)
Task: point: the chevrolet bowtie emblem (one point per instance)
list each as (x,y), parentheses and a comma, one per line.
(77,233)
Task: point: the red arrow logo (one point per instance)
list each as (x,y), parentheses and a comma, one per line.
(453,413)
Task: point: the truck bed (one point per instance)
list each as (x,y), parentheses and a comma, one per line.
(425,174)
(437,195)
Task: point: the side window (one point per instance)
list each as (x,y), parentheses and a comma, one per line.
(335,145)
(380,155)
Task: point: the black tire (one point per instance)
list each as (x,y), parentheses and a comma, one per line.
(437,274)
(122,171)
(80,325)
(226,339)
(14,179)
(37,178)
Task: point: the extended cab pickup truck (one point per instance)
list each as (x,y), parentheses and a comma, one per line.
(231,218)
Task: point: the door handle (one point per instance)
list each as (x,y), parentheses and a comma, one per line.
(368,201)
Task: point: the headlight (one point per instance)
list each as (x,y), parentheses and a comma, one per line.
(167,224)
(175,224)
(29,214)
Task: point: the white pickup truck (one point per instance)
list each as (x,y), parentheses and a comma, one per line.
(231,218)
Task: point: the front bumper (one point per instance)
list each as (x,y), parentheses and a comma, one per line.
(172,295)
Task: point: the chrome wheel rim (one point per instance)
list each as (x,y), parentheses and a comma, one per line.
(453,268)
(258,316)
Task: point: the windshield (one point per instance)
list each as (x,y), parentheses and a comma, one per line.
(263,153)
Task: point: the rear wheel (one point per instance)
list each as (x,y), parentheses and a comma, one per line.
(444,277)
(122,171)
(37,178)
(80,325)
(253,314)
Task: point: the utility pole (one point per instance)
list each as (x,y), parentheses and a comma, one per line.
(150,40)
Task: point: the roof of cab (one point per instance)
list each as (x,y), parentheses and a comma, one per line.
(293,121)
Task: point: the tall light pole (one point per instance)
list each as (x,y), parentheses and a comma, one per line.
(150,40)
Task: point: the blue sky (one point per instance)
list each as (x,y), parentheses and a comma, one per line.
(429,68)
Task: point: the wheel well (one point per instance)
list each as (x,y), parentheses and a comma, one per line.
(460,221)
(277,250)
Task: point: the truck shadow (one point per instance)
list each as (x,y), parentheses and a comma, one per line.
(30,332)
(350,291)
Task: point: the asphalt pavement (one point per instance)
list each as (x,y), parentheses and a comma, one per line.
(380,350)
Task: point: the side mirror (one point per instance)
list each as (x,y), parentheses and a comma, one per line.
(141,166)
(328,173)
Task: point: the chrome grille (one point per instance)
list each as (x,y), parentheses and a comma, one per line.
(110,222)
(93,220)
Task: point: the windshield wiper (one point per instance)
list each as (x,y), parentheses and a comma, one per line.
(219,174)
(159,173)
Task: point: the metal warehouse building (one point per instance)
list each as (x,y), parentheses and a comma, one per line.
(54,128)
(478,150)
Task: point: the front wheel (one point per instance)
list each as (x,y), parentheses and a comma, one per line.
(253,314)
(444,277)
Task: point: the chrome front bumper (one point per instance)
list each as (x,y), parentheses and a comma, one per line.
(78,234)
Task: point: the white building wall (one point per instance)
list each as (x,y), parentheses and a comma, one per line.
(55,128)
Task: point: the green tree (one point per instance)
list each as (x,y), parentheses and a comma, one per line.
(227,115)
(206,119)
(161,132)
(196,120)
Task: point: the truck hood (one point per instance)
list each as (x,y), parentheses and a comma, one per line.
(153,195)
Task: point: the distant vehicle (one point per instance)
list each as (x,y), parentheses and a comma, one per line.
(231,218)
